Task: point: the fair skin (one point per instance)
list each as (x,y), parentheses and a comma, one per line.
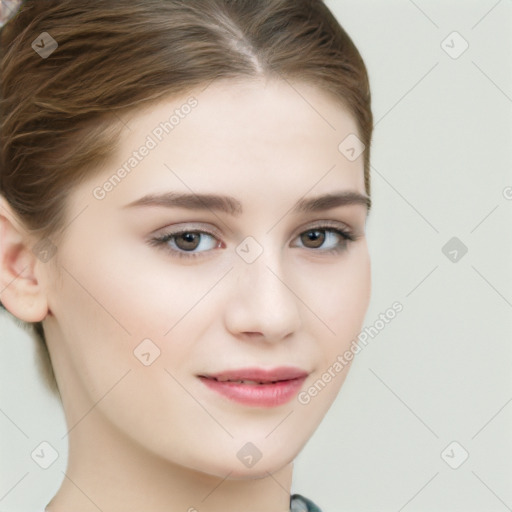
(155,438)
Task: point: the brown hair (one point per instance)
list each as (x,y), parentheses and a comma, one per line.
(60,115)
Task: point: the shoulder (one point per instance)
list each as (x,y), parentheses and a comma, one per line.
(299,503)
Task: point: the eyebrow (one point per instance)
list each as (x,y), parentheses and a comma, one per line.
(232,206)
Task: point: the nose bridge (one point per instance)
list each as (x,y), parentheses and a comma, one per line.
(262,301)
(266,279)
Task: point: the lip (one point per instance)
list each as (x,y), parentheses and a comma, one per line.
(278,385)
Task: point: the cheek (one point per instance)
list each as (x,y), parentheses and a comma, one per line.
(156,293)
(107,305)
(343,300)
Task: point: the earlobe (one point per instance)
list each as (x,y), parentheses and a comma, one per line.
(20,290)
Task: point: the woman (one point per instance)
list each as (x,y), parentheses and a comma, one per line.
(184,192)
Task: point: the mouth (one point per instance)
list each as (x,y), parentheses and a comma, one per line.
(257,387)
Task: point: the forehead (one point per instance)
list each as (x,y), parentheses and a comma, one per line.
(251,111)
(268,138)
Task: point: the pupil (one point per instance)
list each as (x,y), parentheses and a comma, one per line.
(315,236)
(190,240)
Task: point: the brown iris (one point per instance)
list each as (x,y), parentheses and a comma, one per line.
(316,236)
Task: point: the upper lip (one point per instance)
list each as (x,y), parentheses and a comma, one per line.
(259,374)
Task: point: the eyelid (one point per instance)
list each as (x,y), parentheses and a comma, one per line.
(334,224)
(186,227)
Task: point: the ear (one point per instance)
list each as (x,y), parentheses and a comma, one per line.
(20,291)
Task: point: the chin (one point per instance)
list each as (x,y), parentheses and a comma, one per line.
(257,472)
(238,471)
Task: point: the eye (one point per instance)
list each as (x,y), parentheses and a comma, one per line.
(330,239)
(191,243)
(184,243)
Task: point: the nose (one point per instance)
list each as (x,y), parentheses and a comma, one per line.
(262,304)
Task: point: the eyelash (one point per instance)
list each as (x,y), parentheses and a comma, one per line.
(346,235)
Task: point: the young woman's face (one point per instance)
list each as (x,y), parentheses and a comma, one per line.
(249,274)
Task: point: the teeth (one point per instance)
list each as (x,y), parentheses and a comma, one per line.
(250,382)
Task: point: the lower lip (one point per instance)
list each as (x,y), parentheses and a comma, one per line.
(257,395)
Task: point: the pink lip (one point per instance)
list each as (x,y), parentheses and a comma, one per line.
(279,385)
